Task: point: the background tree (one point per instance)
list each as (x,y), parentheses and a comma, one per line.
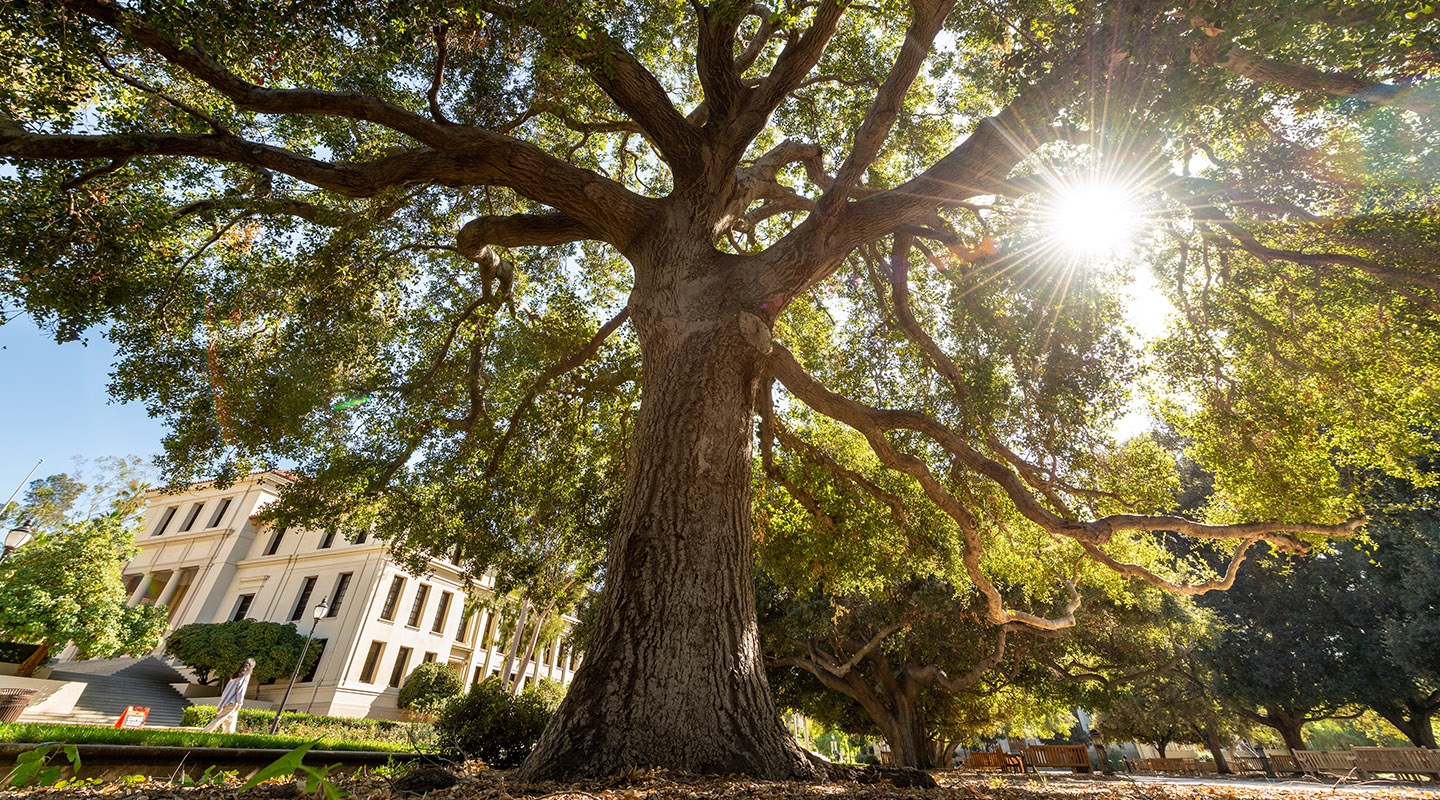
(315,243)
(91,488)
(66,585)
(215,650)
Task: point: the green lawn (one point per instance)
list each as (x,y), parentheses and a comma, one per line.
(93,734)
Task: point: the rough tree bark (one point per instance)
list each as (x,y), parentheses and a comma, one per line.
(673,673)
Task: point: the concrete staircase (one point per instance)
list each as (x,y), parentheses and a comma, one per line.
(115,683)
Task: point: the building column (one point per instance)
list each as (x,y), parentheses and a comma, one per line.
(140,589)
(170,586)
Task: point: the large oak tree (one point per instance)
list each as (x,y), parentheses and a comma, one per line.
(436,253)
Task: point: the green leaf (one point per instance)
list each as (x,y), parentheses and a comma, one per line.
(283,767)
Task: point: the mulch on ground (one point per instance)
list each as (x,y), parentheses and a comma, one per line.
(483,784)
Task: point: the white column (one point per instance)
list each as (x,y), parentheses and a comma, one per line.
(140,589)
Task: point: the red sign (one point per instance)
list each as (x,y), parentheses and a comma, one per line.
(134,717)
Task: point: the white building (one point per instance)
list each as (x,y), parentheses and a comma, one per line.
(204,557)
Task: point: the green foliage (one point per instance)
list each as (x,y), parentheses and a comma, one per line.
(215,650)
(332,737)
(33,766)
(66,585)
(360,730)
(490,724)
(316,781)
(113,484)
(429,687)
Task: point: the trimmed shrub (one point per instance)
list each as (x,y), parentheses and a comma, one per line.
(429,687)
(488,724)
(314,726)
(215,650)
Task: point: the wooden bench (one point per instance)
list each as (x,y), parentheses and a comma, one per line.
(1074,757)
(1326,762)
(1187,765)
(995,762)
(1407,762)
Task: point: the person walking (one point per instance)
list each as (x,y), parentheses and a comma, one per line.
(232,698)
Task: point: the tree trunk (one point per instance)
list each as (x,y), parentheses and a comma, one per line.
(1212,743)
(1290,727)
(673,673)
(27,669)
(909,746)
(1412,719)
(514,648)
(1161,746)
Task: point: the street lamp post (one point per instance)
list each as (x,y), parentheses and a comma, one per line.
(16,537)
(315,617)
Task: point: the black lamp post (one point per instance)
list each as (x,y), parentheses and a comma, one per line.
(315,617)
(16,537)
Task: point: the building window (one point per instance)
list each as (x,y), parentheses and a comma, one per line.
(397,585)
(327,540)
(441,611)
(305,591)
(342,585)
(489,630)
(365,534)
(275,542)
(319,647)
(402,660)
(220,513)
(165,520)
(429,657)
(477,677)
(372,660)
(464,626)
(190,518)
(422,593)
(243,607)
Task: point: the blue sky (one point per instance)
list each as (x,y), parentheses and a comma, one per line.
(55,406)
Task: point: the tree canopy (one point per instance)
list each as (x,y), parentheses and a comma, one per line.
(486,270)
(65,585)
(215,650)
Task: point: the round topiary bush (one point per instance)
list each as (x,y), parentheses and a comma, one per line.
(488,724)
(429,687)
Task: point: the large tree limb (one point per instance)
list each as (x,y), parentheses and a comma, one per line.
(932,673)
(795,61)
(488,156)
(875,424)
(628,83)
(1259,68)
(926,18)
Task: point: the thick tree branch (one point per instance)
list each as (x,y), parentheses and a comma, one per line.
(520,230)
(926,18)
(1256,67)
(875,424)
(629,84)
(791,66)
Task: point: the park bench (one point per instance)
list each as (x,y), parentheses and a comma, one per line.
(1187,765)
(1333,762)
(1407,762)
(1074,757)
(1282,761)
(996,762)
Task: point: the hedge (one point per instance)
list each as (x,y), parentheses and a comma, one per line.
(316,726)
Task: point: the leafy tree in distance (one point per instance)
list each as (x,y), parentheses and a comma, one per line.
(215,650)
(66,586)
(437,253)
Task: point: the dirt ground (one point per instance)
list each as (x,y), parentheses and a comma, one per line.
(484,784)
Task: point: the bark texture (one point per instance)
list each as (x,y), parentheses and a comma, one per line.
(673,674)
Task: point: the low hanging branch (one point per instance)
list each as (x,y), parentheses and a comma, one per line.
(875,424)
